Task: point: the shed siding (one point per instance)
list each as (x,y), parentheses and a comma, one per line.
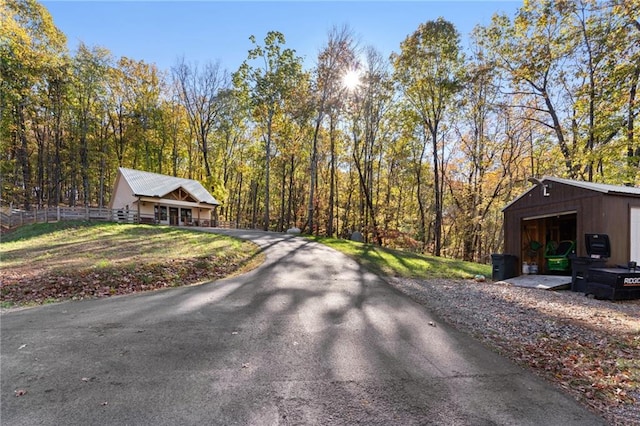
(596,212)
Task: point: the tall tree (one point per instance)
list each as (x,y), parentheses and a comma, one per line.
(31,48)
(268,84)
(531,50)
(372,96)
(335,60)
(200,95)
(89,70)
(567,62)
(629,71)
(489,147)
(427,70)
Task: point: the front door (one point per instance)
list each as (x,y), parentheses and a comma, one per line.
(173,216)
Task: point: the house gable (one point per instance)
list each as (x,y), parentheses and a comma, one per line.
(180,194)
(122,194)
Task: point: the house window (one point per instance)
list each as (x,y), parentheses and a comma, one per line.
(186,215)
(160,213)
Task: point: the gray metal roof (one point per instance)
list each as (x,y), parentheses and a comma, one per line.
(147,184)
(599,187)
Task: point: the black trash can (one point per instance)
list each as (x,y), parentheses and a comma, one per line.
(505,266)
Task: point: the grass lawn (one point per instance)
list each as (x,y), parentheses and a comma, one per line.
(50,262)
(405,264)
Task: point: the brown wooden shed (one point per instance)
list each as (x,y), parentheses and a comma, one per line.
(556,209)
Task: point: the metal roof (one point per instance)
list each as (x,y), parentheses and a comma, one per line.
(147,184)
(599,187)
(591,186)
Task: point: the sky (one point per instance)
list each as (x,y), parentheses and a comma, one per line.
(202,32)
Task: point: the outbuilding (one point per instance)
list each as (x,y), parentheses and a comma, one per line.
(556,212)
(146,197)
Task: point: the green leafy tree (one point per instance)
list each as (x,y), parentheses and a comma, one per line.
(31,50)
(335,60)
(268,83)
(427,71)
(88,92)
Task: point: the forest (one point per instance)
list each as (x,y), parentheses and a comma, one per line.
(420,150)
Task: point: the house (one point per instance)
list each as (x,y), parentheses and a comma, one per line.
(154,198)
(556,210)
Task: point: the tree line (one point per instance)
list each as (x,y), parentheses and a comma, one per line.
(419,150)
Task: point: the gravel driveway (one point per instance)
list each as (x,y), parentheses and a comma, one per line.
(589,348)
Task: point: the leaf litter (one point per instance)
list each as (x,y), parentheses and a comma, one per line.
(589,348)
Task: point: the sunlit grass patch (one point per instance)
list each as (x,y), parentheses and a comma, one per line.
(405,264)
(72,260)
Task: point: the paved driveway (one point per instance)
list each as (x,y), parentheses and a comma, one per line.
(307,338)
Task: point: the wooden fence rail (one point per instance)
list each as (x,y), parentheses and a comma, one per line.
(13,218)
(10,219)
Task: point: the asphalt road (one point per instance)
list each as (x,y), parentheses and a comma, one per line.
(307,338)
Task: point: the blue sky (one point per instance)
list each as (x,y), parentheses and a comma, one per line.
(160,32)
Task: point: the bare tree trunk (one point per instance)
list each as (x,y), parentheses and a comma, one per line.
(437,194)
(23,156)
(290,195)
(332,177)
(283,184)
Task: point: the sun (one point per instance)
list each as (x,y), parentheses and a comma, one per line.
(351,79)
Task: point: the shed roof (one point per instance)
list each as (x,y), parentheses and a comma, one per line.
(147,184)
(599,187)
(629,191)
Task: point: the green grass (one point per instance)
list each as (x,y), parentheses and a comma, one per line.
(405,264)
(27,232)
(101,244)
(46,262)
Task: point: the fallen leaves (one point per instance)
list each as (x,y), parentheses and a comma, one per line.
(590,348)
(49,286)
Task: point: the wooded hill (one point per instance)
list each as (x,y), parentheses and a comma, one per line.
(420,150)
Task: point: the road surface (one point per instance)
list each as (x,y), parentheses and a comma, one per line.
(309,337)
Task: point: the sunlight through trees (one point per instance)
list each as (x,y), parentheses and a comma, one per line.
(420,150)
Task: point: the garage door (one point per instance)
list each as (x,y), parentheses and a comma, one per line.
(635,234)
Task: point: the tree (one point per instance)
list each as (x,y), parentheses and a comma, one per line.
(31,49)
(488,151)
(335,59)
(89,70)
(268,85)
(371,100)
(531,50)
(567,63)
(200,95)
(629,71)
(427,71)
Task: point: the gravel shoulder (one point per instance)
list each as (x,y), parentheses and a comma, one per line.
(590,348)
